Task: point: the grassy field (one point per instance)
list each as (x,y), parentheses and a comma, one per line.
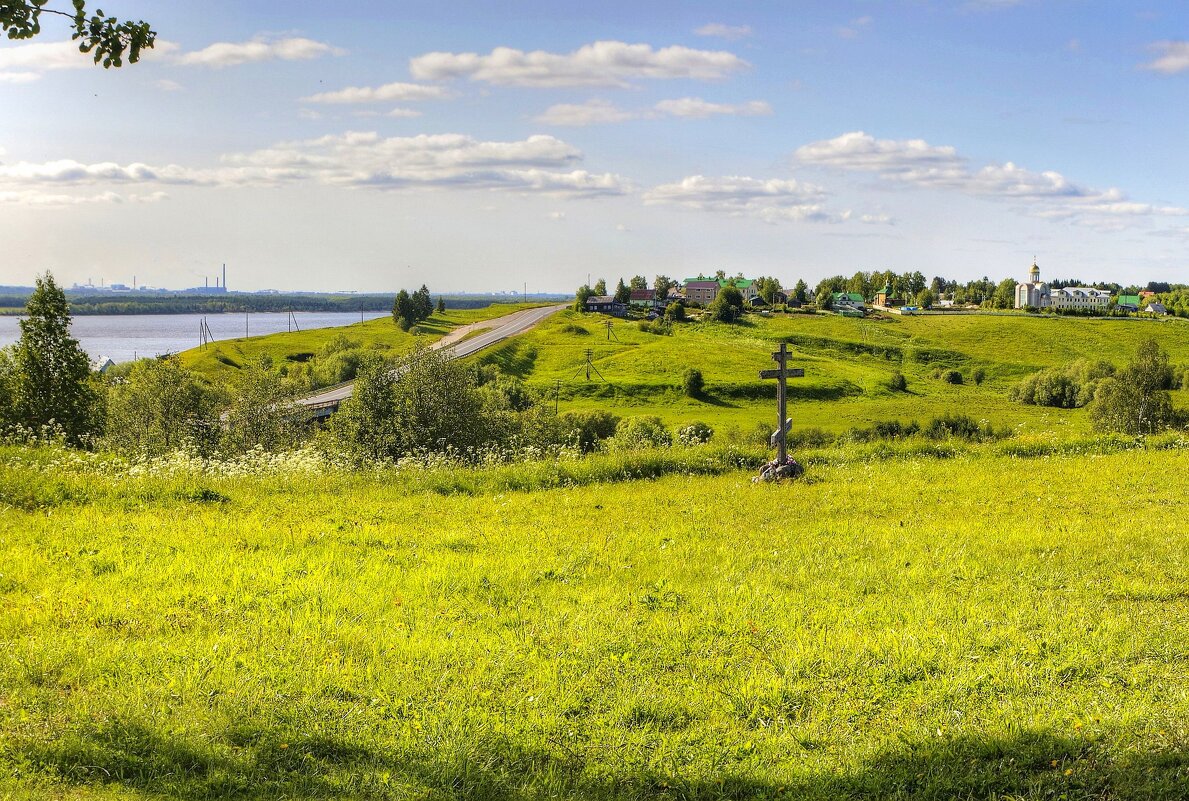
(218,361)
(979,626)
(848,364)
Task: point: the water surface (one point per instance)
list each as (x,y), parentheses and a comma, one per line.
(123,337)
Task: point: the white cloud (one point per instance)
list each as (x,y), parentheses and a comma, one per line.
(1173,57)
(403,113)
(229,54)
(592,112)
(852,30)
(1047,194)
(728,32)
(35,198)
(389,92)
(38,57)
(166,85)
(696,107)
(70,172)
(607,63)
(598,112)
(557,216)
(772,200)
(357,160)
(19,77)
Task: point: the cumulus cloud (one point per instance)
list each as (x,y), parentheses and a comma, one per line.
(771,200)
(592,112)
(600,112)
(390,92)
(403,113)
(539,163)
(26,62)
(1173,57)
(1047,194)
(229,54)
(19,77)
(606,63)
(35,198)
(728,32)
(696,107)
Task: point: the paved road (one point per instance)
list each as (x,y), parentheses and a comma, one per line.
(498,329)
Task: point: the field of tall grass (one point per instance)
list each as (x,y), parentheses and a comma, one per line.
(910,620)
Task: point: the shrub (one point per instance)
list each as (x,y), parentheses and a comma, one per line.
(696,433)
(951,377)
(898,383)
(641,432)
(675,311)
(692,382)
(657,326)
(573,328)
(979,375)
(588,429)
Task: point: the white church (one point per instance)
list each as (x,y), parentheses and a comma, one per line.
(1038,295)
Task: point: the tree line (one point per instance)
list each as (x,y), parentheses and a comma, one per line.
(419,402)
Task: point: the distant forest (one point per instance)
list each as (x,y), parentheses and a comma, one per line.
(12,302)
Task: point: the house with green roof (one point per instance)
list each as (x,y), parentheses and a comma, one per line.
(1128,302)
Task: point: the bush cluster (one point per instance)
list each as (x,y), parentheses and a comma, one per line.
(1067,387)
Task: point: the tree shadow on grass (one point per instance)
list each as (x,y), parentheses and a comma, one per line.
(714,400)
(249,762)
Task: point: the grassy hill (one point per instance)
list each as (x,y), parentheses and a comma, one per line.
(980,626)
(217,361)
(848,364)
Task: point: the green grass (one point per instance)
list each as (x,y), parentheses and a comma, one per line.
(221,359)
(848,364)
(950,622)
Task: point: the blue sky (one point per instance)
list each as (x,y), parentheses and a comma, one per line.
(480,146)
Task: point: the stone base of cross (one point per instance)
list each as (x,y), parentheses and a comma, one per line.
(783,467)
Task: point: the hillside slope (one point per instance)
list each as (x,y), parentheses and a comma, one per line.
(848,365)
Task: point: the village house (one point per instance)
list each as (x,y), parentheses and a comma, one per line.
(1129,302)
(605,304)
(703,290)
(700,290)
(646,299)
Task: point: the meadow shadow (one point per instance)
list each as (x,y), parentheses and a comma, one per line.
(273,764)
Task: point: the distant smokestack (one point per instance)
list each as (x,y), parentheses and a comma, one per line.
(206,282)
(134,282)
(224,276)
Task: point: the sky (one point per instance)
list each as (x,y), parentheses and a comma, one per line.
(489,146)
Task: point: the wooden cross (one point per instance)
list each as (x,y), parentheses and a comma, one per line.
(781,374)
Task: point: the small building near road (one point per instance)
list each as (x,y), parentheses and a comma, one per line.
(605,304)
(1156,308)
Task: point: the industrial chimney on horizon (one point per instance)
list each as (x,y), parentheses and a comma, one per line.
(224,276)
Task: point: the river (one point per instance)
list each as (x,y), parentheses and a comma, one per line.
(124,337)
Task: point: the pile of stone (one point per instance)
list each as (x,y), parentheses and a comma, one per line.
(775,470)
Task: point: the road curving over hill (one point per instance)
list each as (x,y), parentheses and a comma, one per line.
(459,343)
